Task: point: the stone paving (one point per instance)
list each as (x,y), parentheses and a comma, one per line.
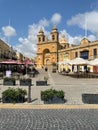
(63,119)
(75,87)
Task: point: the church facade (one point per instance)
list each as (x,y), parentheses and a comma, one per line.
(56,50)
(47,52)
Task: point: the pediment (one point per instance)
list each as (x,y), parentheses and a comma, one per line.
(84,41)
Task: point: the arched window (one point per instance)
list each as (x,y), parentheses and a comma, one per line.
(43,39)
(76,54)
(53,37)
(46,51)
(39,39)
(95,52)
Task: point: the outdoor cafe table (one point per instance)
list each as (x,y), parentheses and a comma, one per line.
(83,75)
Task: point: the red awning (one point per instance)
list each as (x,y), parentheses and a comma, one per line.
(11,62)
(28,62)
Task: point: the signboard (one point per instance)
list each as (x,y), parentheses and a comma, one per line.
(8,73)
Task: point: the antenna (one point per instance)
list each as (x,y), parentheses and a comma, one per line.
(9,22)
(9,36)
(85,27)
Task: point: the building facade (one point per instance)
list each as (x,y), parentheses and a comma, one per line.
(47,52)
(6,52)
(56,50)
(86,50)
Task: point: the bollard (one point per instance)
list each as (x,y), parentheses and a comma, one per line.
(29,93)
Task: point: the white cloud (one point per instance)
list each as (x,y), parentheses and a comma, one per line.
(9,31)
(28,45)
(88,20)
(44,22)
(56,18)
(76,39)
(70,39)
(91,37)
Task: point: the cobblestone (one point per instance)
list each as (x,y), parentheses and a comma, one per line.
(62,119)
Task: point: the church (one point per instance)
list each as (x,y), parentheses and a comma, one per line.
(54,50)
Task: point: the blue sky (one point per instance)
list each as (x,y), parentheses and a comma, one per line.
(20,21)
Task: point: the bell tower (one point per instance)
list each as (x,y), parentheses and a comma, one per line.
(40,41)
(41,36)
(54,34)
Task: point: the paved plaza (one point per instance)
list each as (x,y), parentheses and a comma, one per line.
(73,87)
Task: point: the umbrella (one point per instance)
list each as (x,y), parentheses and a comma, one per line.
(67,62)
(12,62)
(20,63)
(61,62)
(9,62)
(28,62)
(94,62)
(79,61)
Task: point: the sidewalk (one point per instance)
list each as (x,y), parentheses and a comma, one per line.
(55,106)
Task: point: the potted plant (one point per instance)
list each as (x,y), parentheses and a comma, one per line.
(12,95)
(52,96)
(25,82)
(42,82)
(9,81)
(90,98)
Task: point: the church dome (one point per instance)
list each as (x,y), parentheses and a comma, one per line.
(63,39)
